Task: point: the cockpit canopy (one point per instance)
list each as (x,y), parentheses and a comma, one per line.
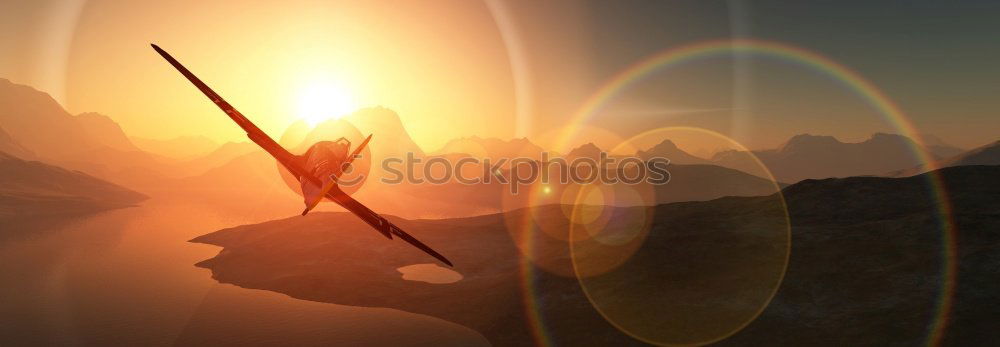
(326,149)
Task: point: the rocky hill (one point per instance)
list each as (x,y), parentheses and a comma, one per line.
(31,190)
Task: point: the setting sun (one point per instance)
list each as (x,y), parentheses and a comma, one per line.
(321,101)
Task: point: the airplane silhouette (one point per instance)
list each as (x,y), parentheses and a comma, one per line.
(317,170)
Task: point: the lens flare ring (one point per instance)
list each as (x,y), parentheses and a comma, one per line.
(854,81)
(653,307)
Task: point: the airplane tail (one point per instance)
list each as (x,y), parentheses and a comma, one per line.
(312,194)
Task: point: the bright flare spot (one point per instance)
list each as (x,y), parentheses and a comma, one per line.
(321,101)
(547,189)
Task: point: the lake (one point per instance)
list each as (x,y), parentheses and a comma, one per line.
(128,277)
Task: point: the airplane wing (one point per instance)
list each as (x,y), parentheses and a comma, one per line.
(288,160)
(291,162)
(378,222)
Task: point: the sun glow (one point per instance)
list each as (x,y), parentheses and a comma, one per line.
(322,101)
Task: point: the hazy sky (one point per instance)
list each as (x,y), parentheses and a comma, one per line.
(459,68)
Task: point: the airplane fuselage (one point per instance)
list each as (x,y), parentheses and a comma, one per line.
(326,158)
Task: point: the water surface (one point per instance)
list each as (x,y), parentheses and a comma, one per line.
(127,277)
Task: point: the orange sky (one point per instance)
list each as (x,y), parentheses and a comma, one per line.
(441,67)
(453,69)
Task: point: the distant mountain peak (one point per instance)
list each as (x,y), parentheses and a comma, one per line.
(668,149)
(666,144)
(587,150)
(588,146)
(809,141)
(988,154)
(382,116)
(104,130)
(810,156)
(390,137)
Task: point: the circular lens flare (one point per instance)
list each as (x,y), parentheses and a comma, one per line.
(687,273)
(298,139)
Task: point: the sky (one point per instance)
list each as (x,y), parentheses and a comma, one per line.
(513,68)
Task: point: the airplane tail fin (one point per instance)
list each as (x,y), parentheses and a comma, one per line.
(312,194)
(357,151)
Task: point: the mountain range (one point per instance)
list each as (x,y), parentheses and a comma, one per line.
(863,249)
(810,156)
(33,125)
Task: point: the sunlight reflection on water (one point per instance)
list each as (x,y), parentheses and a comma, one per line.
(430,273)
